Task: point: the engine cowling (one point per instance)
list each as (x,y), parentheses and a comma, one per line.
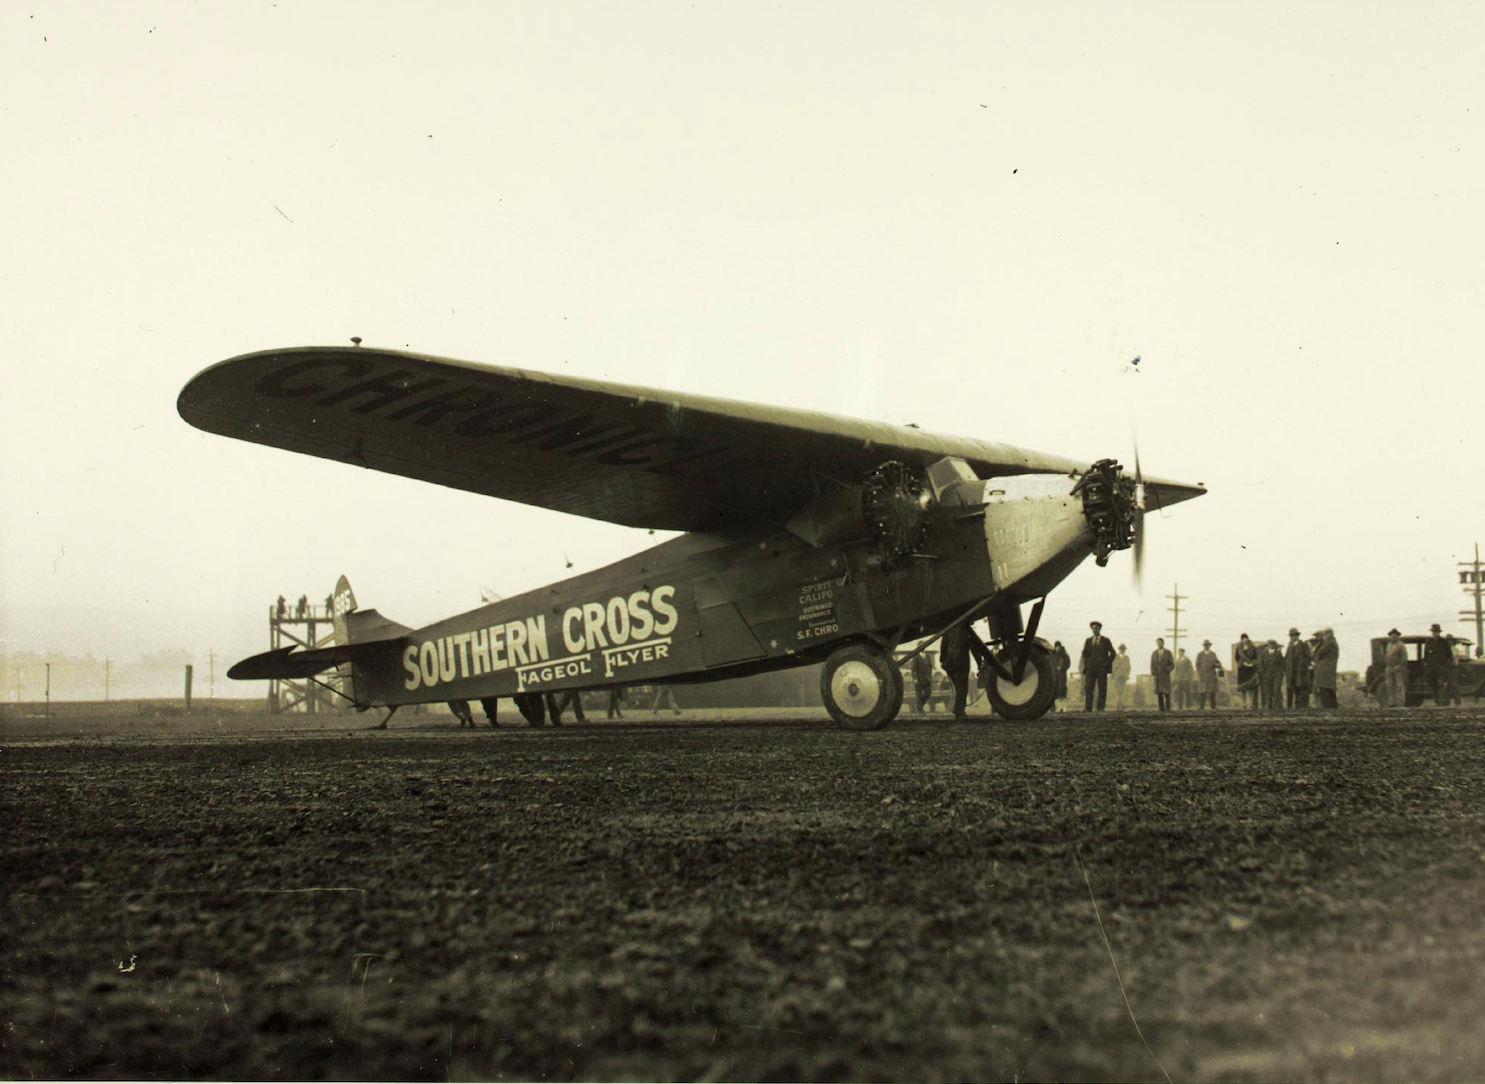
(890,507)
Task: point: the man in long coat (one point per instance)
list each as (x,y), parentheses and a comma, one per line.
(954,658)
(1122,670)
(1097,661)
(1063,663)
(1208,670)
(922,679)
(1271,675)
(1297,671)
(1327,656)
(1395,670)
(1185,681)
(1162,665)
(1438,663)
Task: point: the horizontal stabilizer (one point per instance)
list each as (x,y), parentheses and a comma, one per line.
(370,635)
(288,662)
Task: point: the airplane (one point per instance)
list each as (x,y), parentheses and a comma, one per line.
(808,537)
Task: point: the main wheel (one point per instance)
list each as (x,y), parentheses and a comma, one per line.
(861,687)
(1032,697)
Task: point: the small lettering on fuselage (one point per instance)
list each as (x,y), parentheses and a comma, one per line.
(626,630)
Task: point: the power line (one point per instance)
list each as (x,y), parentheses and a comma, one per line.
(1175,631)
(1474,580)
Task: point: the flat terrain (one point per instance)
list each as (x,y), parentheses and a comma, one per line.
(755,898)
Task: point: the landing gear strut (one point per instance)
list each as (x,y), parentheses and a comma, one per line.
(1031,695)
(1020,678)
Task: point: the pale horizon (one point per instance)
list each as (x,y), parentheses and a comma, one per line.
(968,217)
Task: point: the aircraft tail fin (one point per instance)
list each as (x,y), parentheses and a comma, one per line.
(360,636)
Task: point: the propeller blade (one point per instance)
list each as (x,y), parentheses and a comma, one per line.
(1139,522)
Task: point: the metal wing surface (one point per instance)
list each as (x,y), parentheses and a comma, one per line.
(616,452)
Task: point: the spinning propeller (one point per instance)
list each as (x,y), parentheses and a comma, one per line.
(1139,522)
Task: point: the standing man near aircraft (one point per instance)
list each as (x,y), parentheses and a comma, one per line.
(557,703)
(1271,675)
(1162,665)
(954,658)
(1063,662)
(1185,676)
(1097,661)
(1438,661)
(1395,662)
(1327,655)
(922,679)
(1208,670)
(1297,671)
(1123,667)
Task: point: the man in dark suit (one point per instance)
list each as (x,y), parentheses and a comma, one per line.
(1438,664)
(954,658)
(1098,660)
(1297,671)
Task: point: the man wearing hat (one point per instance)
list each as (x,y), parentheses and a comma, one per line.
(1327,657)
(1395,662)
(1097,661)
(1297,670)
(1271,675)
(1185,680)
(1162,664)
(1208,670)
(1438,662)
(1122,669)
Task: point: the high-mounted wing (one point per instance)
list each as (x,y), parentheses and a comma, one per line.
(617,452)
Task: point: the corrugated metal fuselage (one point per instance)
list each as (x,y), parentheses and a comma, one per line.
(708,606)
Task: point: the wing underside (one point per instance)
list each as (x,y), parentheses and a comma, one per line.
(615,452)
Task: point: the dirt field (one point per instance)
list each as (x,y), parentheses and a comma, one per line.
(246,897)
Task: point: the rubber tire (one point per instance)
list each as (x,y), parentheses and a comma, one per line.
(1030,703)
(872,671)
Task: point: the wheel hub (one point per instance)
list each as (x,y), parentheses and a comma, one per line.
(856,688)
(1018,693)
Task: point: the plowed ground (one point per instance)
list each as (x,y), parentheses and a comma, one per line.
(1282,898)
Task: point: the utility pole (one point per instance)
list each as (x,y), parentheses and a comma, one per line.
(1175,631)
(1474,581)
(48,690)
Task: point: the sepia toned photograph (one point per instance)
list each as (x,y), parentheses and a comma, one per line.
(688,542)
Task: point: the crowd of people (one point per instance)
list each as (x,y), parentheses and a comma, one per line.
(1269,676)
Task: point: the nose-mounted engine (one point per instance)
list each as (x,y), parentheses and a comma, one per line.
(889,507)
(1111,505)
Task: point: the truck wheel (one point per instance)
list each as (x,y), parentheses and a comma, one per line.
(861,687)
(1033,696)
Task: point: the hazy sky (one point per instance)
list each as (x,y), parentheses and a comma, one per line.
(969,216)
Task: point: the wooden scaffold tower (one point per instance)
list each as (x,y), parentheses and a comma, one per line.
(300,624)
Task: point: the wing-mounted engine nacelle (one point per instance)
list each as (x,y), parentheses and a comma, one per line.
(890,507)
(1111,504)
